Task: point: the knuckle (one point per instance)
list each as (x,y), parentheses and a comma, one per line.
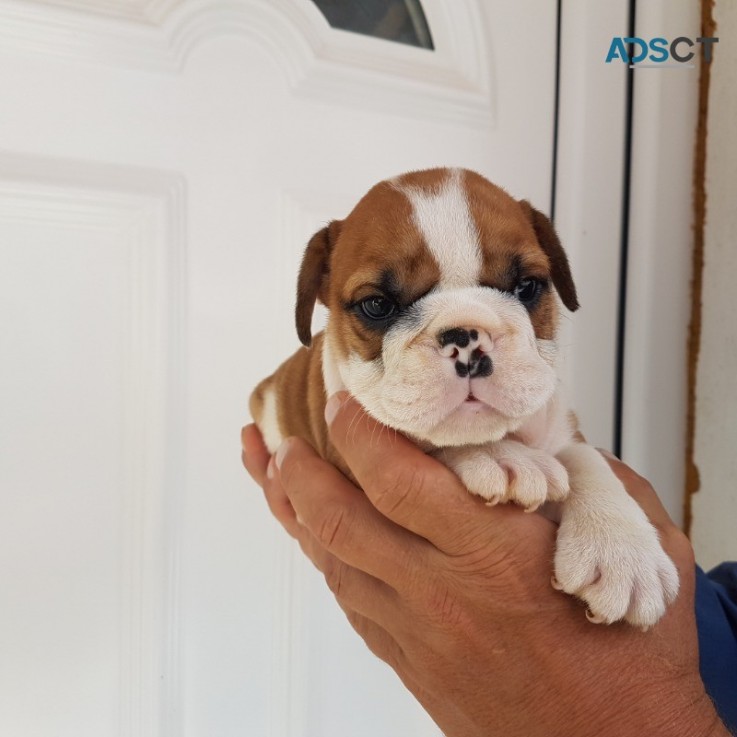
(444,609)
(300,466)
(377,640)
(334,579)
(449,625)
(291,471)
(332,527)
(448,612)
(399,488)
(681,546)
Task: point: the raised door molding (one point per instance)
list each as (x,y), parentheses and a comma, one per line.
(454,82)
(141,215)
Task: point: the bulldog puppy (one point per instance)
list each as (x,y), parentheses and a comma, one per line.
(441,291)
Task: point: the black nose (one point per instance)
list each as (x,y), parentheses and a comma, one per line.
(479,365)
(457,336)
(470,358)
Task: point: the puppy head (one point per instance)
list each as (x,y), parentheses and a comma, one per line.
(443,315)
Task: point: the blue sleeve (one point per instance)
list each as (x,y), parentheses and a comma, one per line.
(716,620)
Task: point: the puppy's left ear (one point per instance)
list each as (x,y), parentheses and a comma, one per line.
(314,275)
(560,270)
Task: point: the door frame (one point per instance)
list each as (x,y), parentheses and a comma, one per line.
(624,205)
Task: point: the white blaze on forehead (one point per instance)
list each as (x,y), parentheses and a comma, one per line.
(443,218)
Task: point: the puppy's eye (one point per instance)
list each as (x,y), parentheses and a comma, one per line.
(528,290)
(377,308)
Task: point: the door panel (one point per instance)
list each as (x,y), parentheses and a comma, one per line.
(90,396)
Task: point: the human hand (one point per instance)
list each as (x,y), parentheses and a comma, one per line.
(456,596)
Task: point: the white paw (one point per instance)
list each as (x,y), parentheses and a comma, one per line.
(509,471)
(615,563)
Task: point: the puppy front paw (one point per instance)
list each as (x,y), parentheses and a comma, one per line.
(508,471)
(616,565)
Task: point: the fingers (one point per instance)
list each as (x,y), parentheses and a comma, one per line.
(402,482)
(343,521)
(254,454)
(377,639)
(354,590)
(260,465)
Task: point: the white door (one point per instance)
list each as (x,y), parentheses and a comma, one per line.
(162,165)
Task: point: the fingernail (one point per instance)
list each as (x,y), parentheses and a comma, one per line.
(271,468)
(334,404)
(281,451)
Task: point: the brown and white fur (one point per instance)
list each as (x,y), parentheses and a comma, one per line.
(463,363)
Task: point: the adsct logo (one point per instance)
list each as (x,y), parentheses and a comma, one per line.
(659,53)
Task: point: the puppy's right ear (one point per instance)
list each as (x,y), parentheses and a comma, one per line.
(314,276)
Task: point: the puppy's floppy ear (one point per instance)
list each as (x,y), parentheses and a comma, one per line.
(560,270)
(314,275)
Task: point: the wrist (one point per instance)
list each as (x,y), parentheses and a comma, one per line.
(700,721)
(680,710)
